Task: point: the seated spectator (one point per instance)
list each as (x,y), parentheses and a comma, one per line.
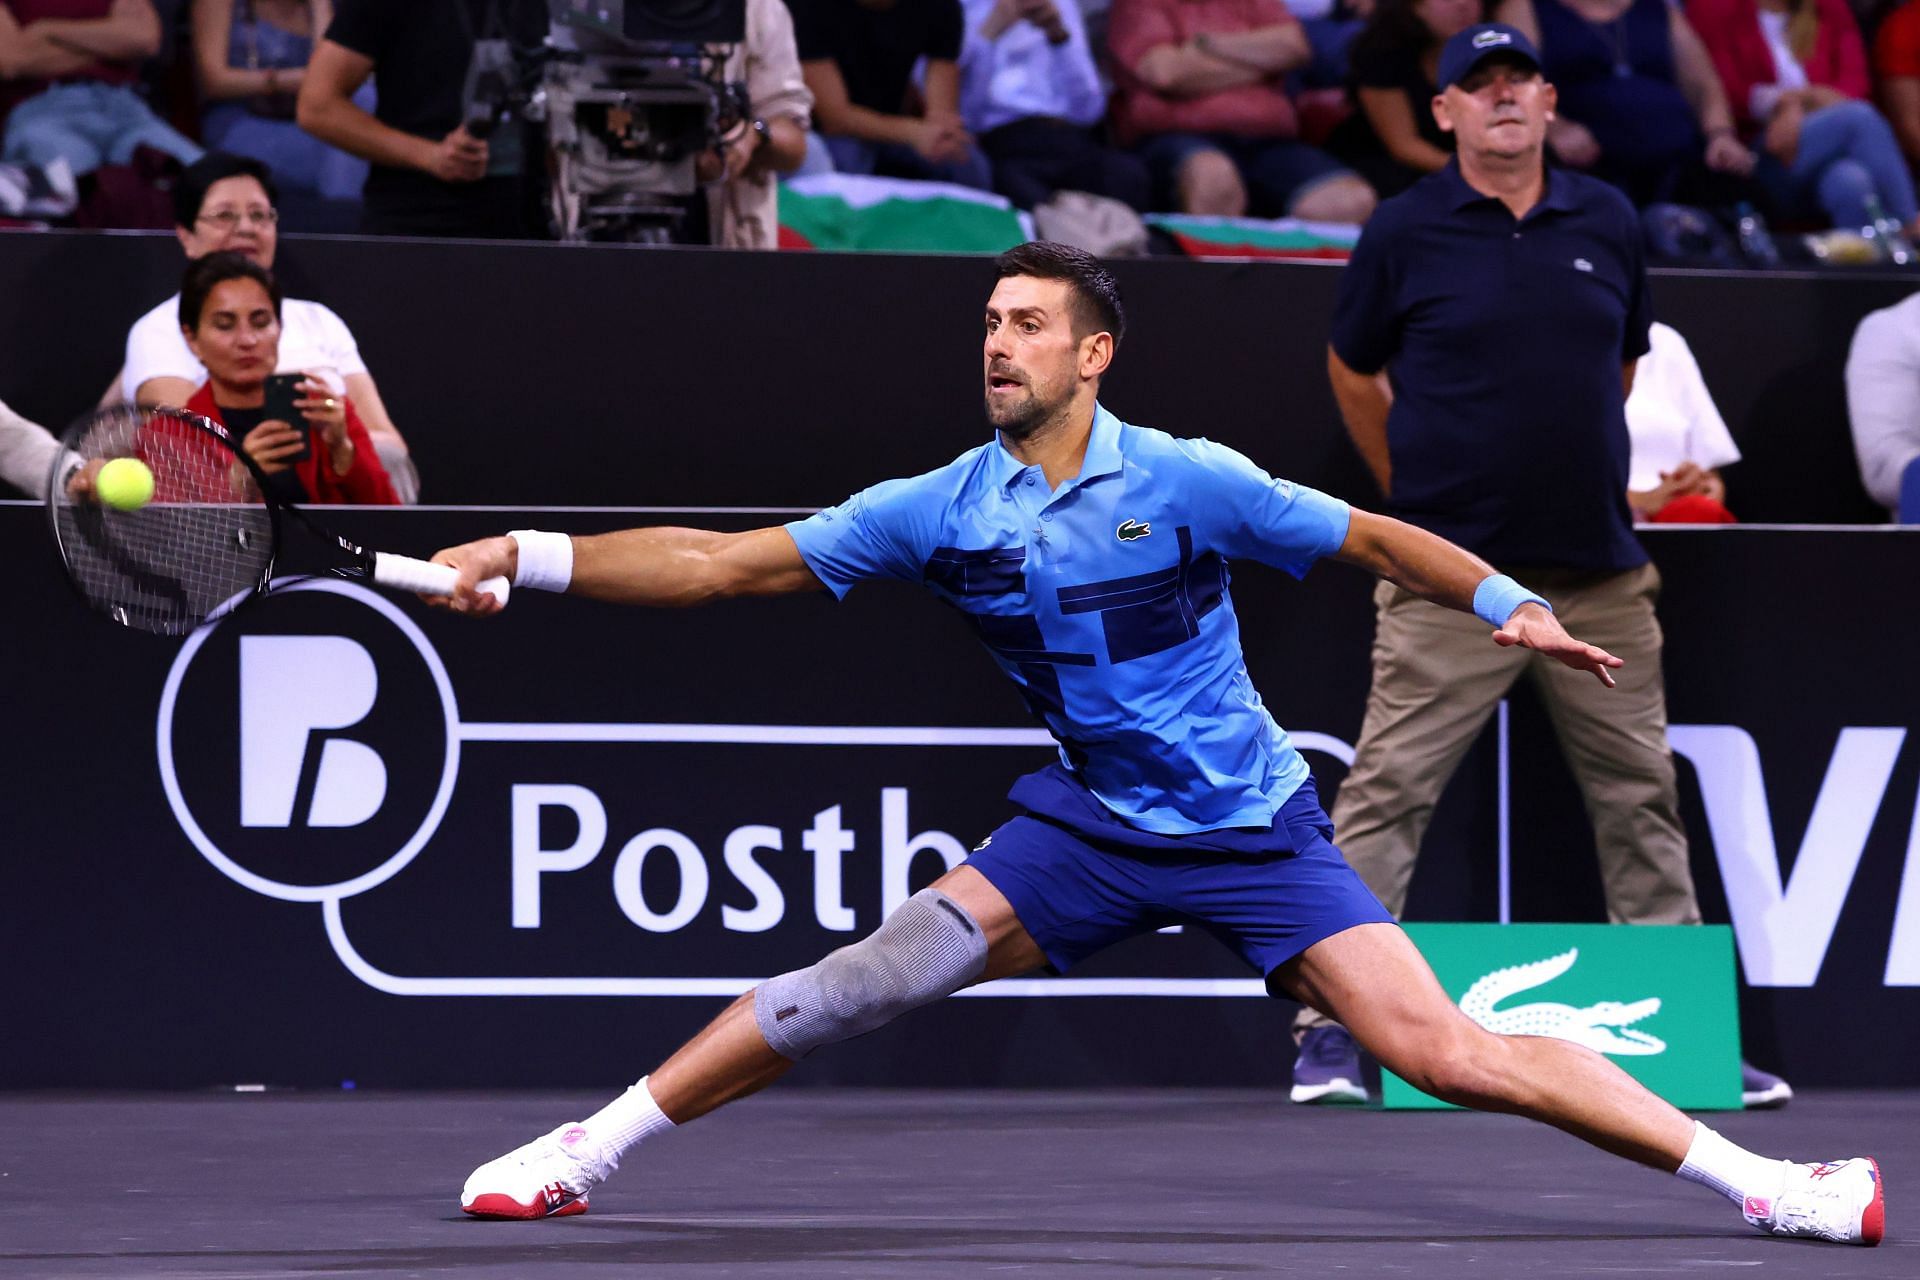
(27,451)
(1392,138)
(1029,91)
(227,204)
(858,57)
(250,57)
(1640,104)
(1896,63)
(432,173)
(1796,74)
(742,199)
(230,316)
(1883,397)
(1201,94)
(1680,441)
(1331,26)
(67,71)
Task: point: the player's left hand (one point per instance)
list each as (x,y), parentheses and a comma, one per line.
(1535,628)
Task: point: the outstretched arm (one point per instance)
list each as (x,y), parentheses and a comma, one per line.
(665,567)
(1434,569)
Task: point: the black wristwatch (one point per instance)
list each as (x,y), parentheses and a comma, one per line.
(760,128)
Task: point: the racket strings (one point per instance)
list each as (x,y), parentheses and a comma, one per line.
(205,538)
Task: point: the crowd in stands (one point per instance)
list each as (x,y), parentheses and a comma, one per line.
(1804,111)
(228,120)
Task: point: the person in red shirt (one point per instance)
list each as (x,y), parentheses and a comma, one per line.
(1896,64)
(230,315)
(1795,72)
(67,69)
(1201,94)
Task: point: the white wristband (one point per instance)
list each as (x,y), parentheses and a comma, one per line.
(546,559)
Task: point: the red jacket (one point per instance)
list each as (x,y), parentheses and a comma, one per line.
(1731,31)
(366,482)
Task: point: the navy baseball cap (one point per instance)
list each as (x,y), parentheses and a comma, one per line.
(1469,48)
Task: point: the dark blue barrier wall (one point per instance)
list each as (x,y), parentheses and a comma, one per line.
(610,376)
(769,775)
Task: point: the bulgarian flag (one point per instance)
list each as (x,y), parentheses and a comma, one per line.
(1257,237)
(850,211)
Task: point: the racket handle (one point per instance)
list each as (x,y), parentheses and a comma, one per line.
(404,573)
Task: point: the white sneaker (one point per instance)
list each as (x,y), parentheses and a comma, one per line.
(547,1178)
(1842,1201)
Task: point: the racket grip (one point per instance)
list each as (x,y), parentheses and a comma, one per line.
(404,573)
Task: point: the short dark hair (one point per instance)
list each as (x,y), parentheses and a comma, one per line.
(1096,294)
(191,187)
(203,274)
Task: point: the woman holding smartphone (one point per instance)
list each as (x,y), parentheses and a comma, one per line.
(303,434)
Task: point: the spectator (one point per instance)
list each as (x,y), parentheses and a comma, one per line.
(1796,73)
(1331,26)
(1639,102)
(67,70)
(1883,397)
(1201,94)
(250,57)
(742,202)
(1392,138)
(1679,439)
(1029,91)
(228,203)
(230,316)
(1896,61)
(858,57)
(27,451)
(432,174)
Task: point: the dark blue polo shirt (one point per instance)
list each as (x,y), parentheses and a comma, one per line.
(1504,342)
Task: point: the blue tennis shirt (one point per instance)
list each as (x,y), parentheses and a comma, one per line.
(1105,601)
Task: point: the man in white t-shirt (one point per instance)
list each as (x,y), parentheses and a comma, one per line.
(1680,441)
(1883,398)
(226,202)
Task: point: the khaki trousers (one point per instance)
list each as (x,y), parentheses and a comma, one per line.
(1437,677)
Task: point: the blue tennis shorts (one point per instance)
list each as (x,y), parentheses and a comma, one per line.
(1080,879)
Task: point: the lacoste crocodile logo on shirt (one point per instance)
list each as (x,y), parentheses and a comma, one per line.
(1130,530)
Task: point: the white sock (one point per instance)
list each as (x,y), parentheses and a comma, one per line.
(1733,1171)
(626,1122)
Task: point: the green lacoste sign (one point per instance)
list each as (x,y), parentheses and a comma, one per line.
(1657,1000)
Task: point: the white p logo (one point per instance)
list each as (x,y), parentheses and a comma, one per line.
(291,686)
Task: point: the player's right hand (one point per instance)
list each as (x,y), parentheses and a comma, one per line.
(477,561)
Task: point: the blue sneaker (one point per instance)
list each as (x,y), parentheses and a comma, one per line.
(1762,1090)
(1328,1068)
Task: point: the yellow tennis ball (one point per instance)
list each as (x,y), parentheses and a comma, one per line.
(125,484)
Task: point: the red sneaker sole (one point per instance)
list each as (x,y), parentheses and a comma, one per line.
(499,1206)
(1873,1223)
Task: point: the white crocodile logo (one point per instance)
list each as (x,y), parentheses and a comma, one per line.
(1605,1027)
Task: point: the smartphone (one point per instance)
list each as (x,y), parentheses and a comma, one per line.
(282,390)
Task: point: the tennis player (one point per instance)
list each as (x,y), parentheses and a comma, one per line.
(1090,556)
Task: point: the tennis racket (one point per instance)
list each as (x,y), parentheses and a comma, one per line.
(206,542)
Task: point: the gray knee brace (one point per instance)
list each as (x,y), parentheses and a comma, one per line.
(927,949)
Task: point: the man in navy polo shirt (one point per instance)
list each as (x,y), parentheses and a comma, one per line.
(1485,334)
(1090,557)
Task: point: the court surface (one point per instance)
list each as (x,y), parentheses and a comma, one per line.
(816,1182)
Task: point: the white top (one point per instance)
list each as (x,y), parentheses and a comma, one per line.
(1670,415)
(1787,71)
(311,337)
(1883,397)
(27,450)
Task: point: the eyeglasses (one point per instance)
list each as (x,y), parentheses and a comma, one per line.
(228,219)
